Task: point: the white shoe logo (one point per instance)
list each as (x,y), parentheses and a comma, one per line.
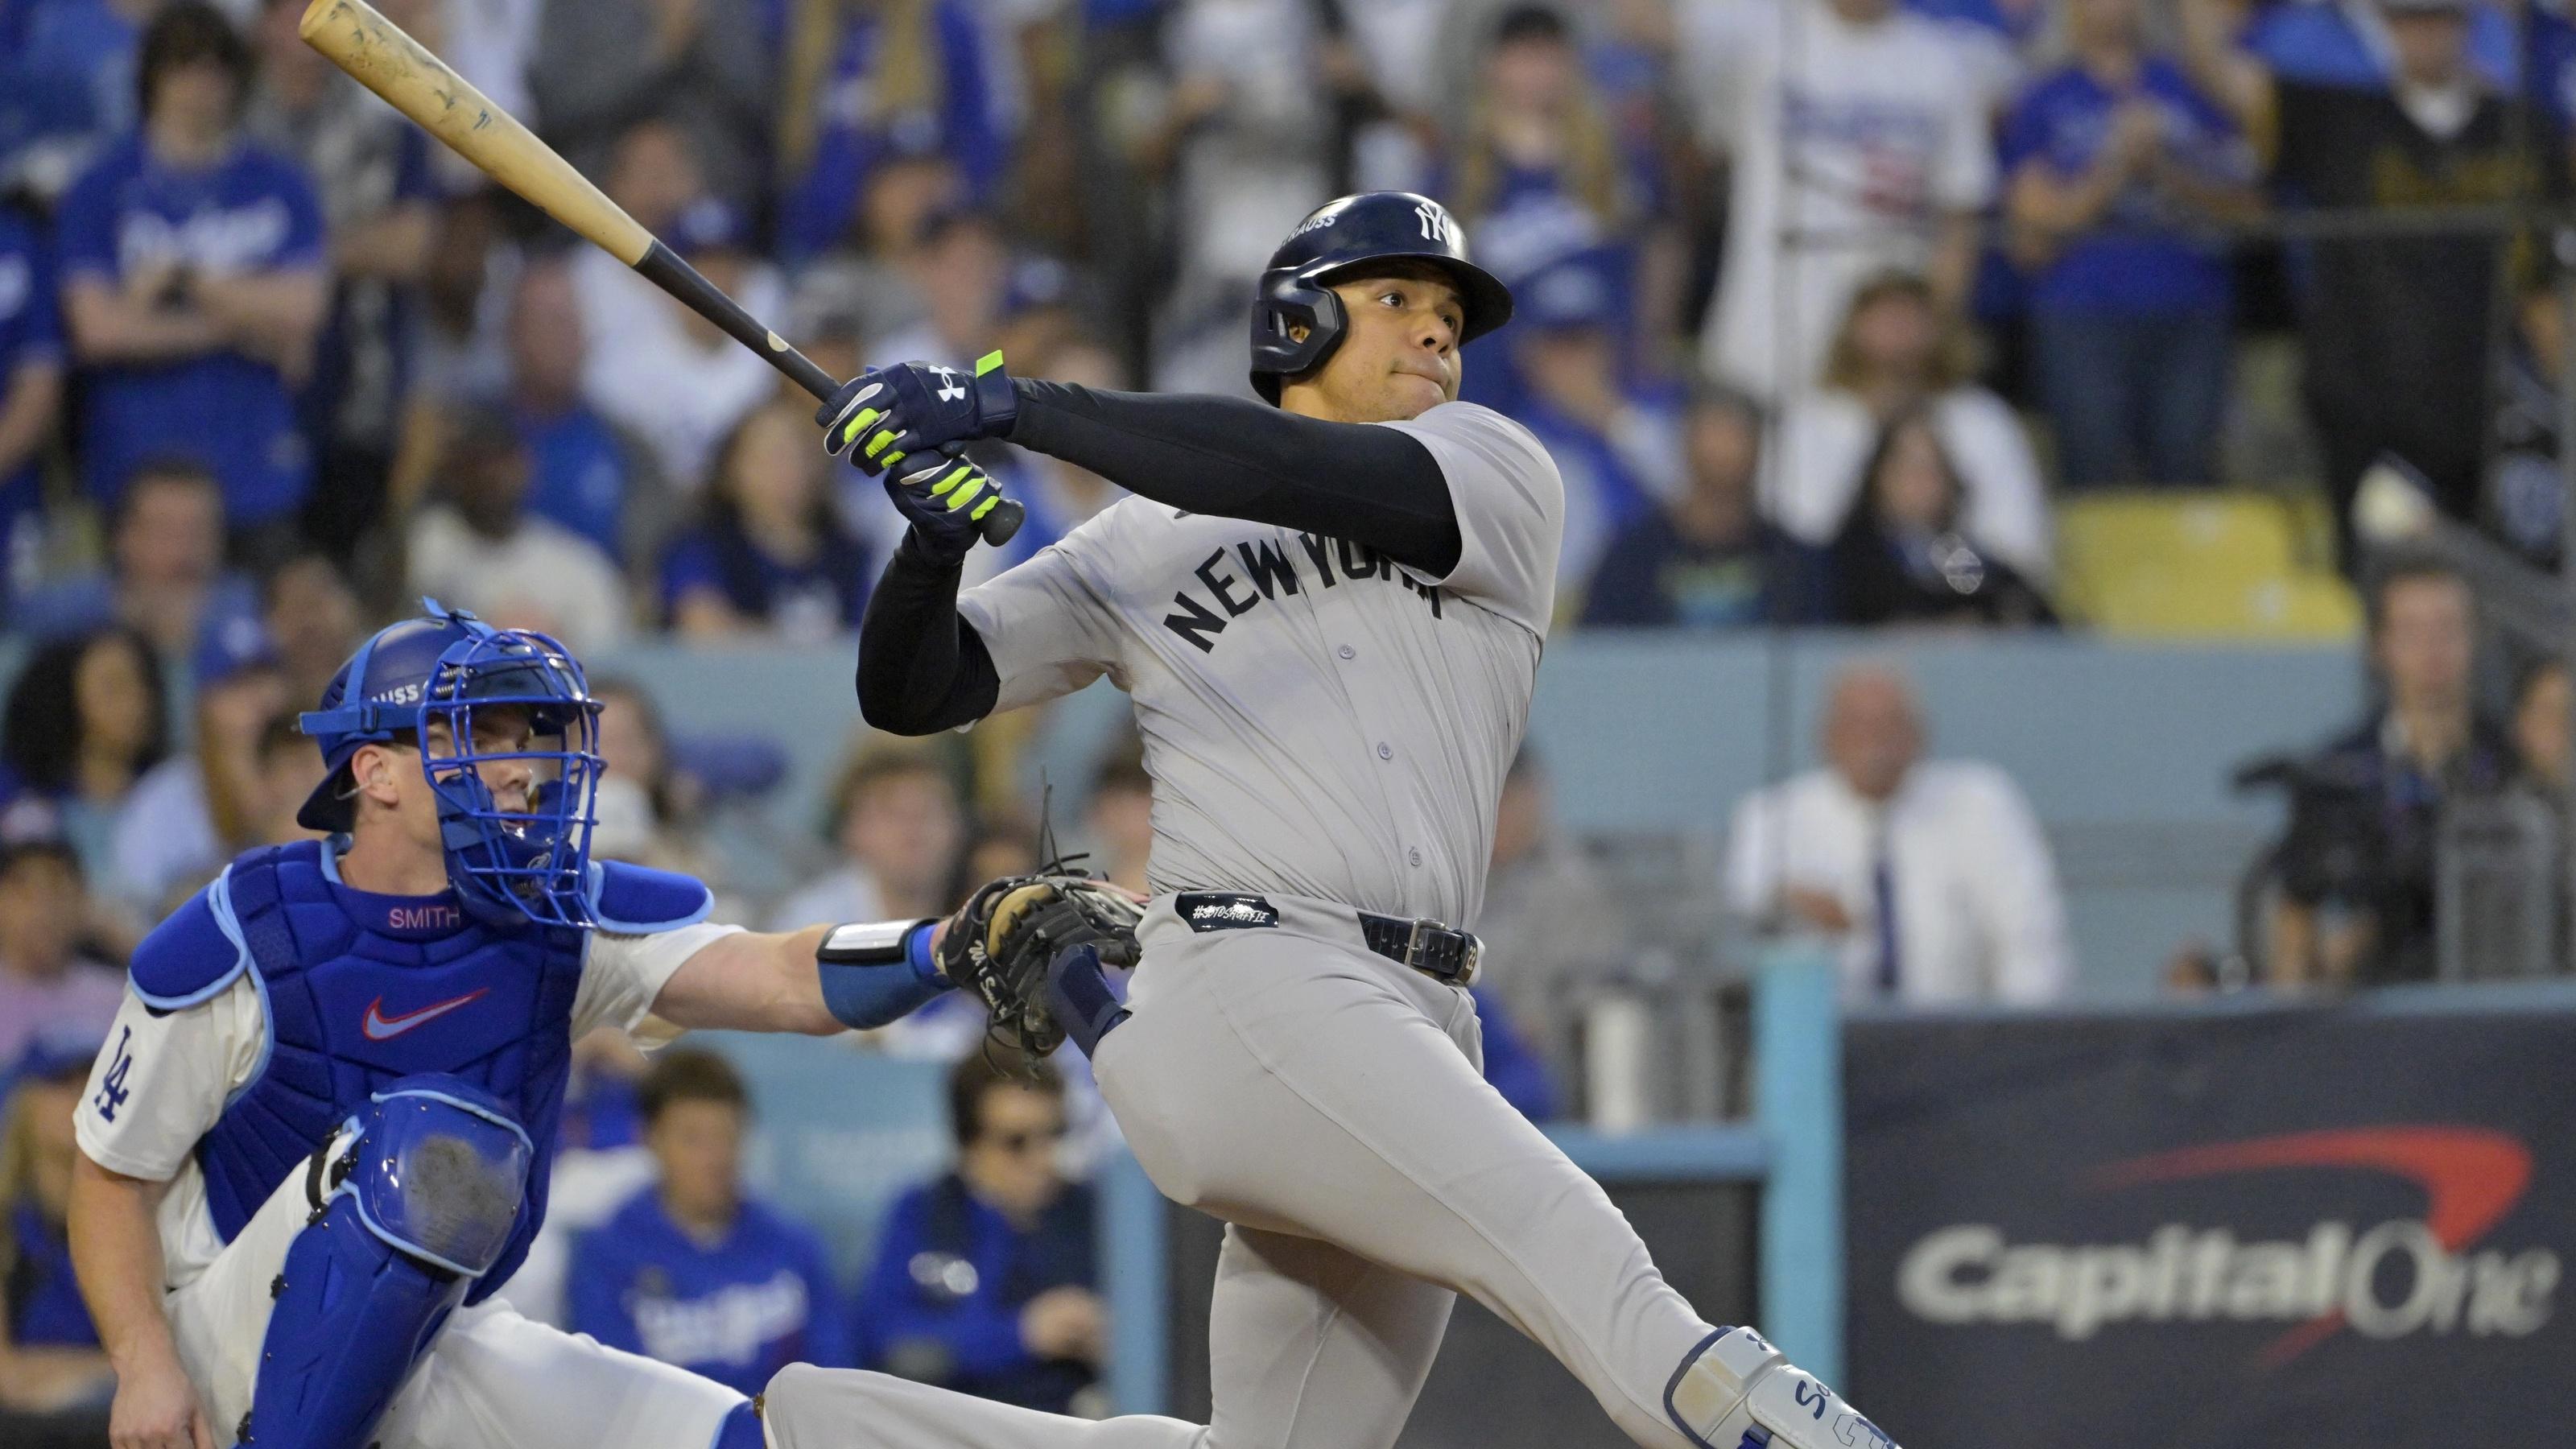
(950,390)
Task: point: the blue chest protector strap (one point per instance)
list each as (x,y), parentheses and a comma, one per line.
(413,1209)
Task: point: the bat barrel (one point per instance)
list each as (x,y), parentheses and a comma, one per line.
(385,60)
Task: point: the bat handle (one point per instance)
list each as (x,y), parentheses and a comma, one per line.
(664,268)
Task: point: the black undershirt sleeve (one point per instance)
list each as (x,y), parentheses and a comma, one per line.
(1238,459)
(922,667)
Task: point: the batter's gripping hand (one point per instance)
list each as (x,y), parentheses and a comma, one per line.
(1012,935)
(946,501)
(888,413)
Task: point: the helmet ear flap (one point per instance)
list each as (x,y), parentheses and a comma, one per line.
(1290,304)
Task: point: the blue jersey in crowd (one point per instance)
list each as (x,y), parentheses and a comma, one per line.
(43,1302)
(2140,262)
(2017,24)
(66,71)
(736,1311)
(1511,1067)
(30,333)
(1651,577)
(850,141)
(2317,42)
(1604,492)
(952,1275)
(2553,64)
(250,212)
(583,474)
(817,598)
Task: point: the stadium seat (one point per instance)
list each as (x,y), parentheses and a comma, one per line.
(2196,565)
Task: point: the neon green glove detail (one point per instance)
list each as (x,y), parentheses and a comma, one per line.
(850,431)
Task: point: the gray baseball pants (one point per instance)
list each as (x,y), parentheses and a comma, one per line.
(1326,1102)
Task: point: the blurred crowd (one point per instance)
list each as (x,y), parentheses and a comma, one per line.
(1822,302)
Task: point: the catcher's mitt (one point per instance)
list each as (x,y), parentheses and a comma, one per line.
(1011,931)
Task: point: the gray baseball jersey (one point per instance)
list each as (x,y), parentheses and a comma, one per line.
(1318,720)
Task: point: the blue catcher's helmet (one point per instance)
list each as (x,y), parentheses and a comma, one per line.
(531,862)
(1338,237)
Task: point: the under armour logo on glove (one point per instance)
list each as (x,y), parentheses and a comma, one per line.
(890,413)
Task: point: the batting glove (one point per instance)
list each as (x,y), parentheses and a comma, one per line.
(945,500)
(890,413)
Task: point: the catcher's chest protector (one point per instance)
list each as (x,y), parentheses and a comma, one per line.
(361,989)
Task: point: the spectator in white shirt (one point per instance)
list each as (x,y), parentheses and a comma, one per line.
(1897,354)
(1859,142)
(653,366)
(1931,877)
(481,549)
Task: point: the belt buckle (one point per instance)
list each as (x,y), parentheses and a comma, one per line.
(1422,926)
(1414,943)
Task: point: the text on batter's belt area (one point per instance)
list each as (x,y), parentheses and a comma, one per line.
(1247,575)
(1205,911)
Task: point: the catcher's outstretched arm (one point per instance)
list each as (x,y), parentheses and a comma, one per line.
(816,981)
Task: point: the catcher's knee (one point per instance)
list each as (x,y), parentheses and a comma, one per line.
(429,1196)
(1735,1391)
(439,1171)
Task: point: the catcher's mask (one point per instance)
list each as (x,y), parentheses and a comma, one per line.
(444,669)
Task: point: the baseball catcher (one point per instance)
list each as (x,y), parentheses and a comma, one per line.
(317,1141)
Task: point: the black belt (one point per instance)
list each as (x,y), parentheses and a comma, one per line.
(1425,945)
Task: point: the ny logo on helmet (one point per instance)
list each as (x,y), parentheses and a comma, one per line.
(1436,225)
(949,390)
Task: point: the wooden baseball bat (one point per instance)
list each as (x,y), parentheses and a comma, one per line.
(385,60)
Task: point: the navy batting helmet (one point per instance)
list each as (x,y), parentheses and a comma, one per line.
(1374,226)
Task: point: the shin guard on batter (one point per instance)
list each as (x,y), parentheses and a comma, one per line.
(420,1203)
(1736,1391)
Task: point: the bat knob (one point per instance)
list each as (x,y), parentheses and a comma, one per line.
(1003,522)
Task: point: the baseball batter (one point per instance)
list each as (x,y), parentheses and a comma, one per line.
(1329,615)
(316,1140)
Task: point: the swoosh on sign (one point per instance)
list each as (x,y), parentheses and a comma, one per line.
(380,1027)
(2471,1178)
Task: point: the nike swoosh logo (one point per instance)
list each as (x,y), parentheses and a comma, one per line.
(380,1027)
